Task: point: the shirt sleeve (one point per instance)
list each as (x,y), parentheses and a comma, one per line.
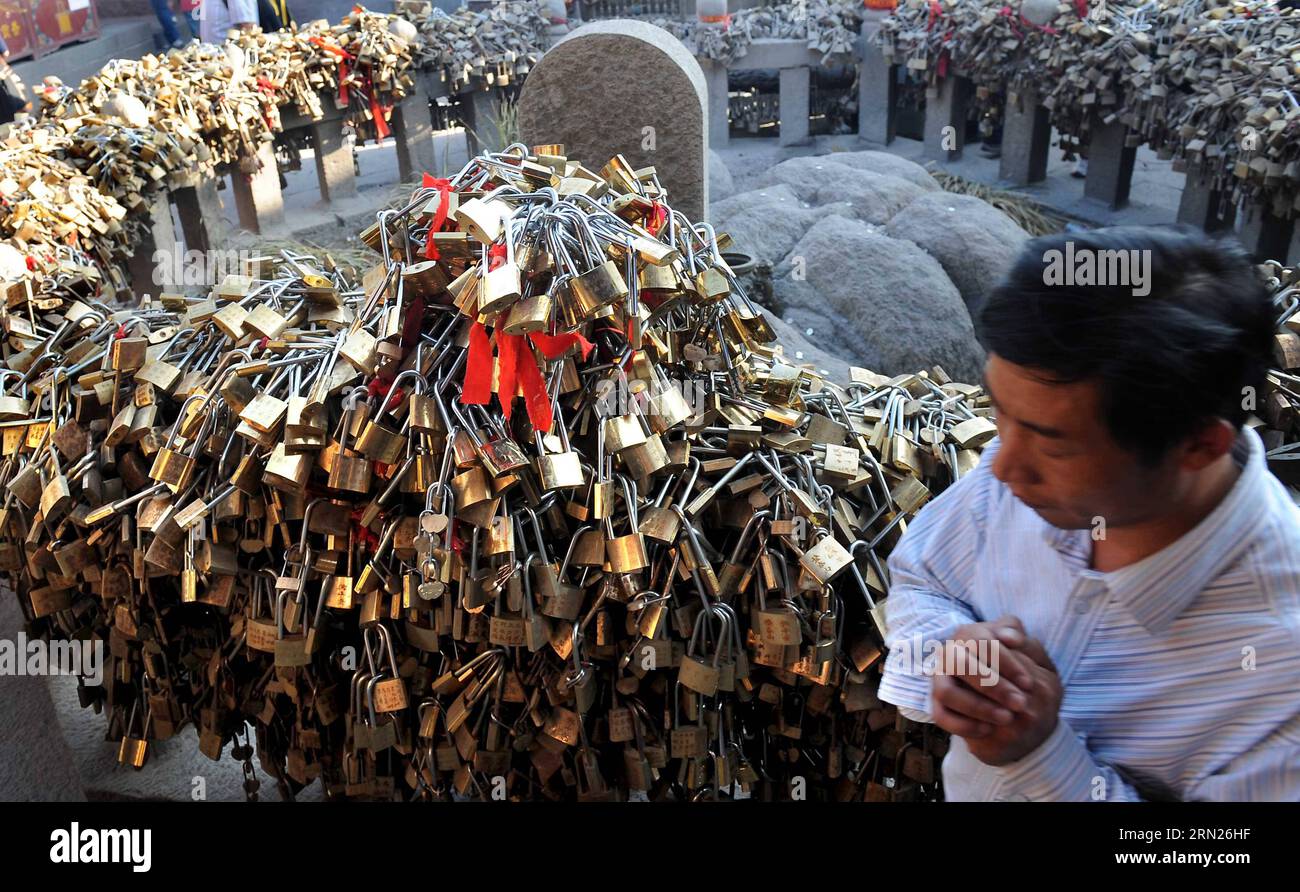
(1062,769)
(930,585)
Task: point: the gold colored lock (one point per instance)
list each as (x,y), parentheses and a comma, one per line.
(483,218)
(501,286)
(529,315)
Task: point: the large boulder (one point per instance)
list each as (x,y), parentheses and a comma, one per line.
(721,185)
(882,301)
(973,241)
(821,179)
(766,222)
(890,165)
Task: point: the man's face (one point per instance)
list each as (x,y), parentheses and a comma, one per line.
(1058,458)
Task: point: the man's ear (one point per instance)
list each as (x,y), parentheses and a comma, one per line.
(1207,444)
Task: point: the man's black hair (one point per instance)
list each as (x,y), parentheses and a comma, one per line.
(1168,362)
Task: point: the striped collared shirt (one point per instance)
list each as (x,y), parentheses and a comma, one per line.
(1181,672)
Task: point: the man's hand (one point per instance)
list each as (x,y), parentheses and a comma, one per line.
(1008,720)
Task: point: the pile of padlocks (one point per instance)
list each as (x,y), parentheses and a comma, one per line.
(79,174)
(1280,410)
(1210,83)
(62,234)
(310,500)
(479,49)
(214,104)
(830,26)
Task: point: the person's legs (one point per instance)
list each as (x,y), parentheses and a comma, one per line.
(163,10)
(192,19)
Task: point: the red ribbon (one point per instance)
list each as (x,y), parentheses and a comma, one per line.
(380,387)
(363,533)
(519,370)
(412,322)
(330,47)
(477,390)
(555,346)
(344,58)
(658,217)
(440,216)
(381,126)
(935,11)
(1006,12)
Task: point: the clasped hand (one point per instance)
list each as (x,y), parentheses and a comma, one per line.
(1004,721)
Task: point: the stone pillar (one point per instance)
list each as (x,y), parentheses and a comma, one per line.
(479,110)
(945,117)
(413,129)
(715,79)
(1110,164)
(1026,138)
(257,196)
(335,169)
(653,105)
(1200,203)
(203,222)
(1266,237)
(147,274)
(877,90)
(795,97)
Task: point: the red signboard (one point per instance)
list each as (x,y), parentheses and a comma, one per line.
(35,27)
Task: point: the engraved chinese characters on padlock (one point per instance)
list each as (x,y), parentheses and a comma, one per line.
(388,692)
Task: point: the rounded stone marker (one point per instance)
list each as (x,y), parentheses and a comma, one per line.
(624,86)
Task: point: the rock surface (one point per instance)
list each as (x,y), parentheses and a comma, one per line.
(768,222)
(880,302)
(973,241)
(820,179)
(874,264)
(721,184)
(890,165)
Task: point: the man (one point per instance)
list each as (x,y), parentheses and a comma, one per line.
(217,17)
(167,19)
(1123,553)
